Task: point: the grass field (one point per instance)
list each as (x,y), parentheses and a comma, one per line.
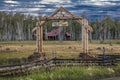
(70,73)
(66,49)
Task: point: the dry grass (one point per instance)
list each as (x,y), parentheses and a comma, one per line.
(67,49)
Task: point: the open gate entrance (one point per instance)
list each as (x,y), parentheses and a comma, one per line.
(63,14)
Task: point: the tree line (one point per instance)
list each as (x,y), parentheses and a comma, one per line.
(16,26)
(19,27)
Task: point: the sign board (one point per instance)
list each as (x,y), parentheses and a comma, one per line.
(60,23)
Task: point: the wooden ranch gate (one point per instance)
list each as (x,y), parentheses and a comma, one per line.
(63,14)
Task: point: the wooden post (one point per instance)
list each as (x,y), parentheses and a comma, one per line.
(85,23)
(38,39)
(83,39)
(41,39)
(85,29)
(84,36)
(86,32)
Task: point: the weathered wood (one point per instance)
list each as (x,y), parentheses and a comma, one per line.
(83,39)
(61,18)
(41,39)
(61,9)
(41,22)
(110,60)
(86,40)
(67,12)
(55,12)
(37,39)
(85,22)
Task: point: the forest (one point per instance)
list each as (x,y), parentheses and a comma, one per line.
(19,27)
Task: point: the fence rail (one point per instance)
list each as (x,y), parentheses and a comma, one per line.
(25,68)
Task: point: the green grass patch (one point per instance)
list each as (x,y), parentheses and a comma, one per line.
(71,73)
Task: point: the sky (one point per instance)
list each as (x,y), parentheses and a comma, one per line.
(92,9)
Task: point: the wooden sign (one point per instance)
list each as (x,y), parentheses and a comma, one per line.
(60,23)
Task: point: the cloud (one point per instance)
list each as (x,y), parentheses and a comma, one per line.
(99,2)
(33,14)
(11,2)
(26,9)
(40,6)
(49,10)
(55,1)
(65,5)
(12,5)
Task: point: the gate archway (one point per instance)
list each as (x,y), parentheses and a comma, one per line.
(63,14)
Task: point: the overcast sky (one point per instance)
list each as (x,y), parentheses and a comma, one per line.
(93,9)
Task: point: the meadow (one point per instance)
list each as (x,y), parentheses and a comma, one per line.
(66,49)
(63,49)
